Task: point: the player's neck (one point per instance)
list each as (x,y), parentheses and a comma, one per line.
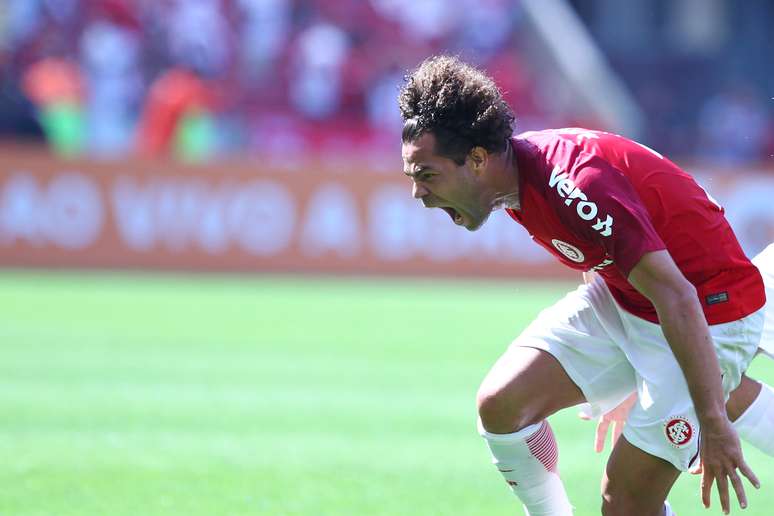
(507,180)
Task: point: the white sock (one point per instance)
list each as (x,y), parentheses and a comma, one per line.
(756,424)
(668,510)
(528,460)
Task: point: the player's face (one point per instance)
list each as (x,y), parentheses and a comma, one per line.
(439,182)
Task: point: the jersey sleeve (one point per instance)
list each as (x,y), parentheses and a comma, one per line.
(599,204)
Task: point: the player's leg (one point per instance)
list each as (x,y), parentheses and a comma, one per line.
(751,410)
(663,424)
(564,357)
(524,387)
(635,482)
(660,436)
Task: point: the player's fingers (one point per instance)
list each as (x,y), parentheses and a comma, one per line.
(599,442)
(697,469)
(747,472)
(736,482)
(722,482)
(706,488)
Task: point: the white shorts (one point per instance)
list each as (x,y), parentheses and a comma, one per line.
(765,263)
(609,353)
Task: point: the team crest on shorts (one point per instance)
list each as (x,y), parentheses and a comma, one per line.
(678,431)
(569,250)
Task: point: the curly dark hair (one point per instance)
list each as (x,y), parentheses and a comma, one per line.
(459,104)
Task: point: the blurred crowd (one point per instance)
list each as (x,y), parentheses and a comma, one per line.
(202,78)
(701,70)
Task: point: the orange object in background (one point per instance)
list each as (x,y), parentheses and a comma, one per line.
(172,96)
(56,88)
(53,80)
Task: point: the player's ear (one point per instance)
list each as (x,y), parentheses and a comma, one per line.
(477,159)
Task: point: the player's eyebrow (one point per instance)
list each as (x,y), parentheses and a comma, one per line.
(417,171)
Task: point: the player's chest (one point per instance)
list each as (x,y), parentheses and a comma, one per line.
(578,253)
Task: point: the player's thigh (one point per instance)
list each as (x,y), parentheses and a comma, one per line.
(525,386)
(635,482)
(567,355)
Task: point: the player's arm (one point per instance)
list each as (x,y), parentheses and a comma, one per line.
(682,320)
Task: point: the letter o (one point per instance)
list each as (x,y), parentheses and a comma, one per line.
(587,210)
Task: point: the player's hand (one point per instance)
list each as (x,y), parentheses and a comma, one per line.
(722,460)
(616,417)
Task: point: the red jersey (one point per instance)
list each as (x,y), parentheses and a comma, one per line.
(598,201)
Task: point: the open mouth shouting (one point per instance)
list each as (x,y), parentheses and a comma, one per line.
(454,214)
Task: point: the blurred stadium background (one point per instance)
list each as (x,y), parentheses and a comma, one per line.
(218,297)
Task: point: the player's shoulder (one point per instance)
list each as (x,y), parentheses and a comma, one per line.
(566,146)
(572,134)
(592,153)
(589,139)
(570,151)
(556,146)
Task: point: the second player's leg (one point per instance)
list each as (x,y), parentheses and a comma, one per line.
(751,405)
(742,397)
(751,411)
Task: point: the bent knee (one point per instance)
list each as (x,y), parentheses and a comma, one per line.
(625,504)
(502,412)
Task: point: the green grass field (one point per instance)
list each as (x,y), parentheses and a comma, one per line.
(132,394)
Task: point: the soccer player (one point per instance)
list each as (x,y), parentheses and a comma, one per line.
(675,312)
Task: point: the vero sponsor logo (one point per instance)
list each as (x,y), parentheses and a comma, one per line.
(586,209)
